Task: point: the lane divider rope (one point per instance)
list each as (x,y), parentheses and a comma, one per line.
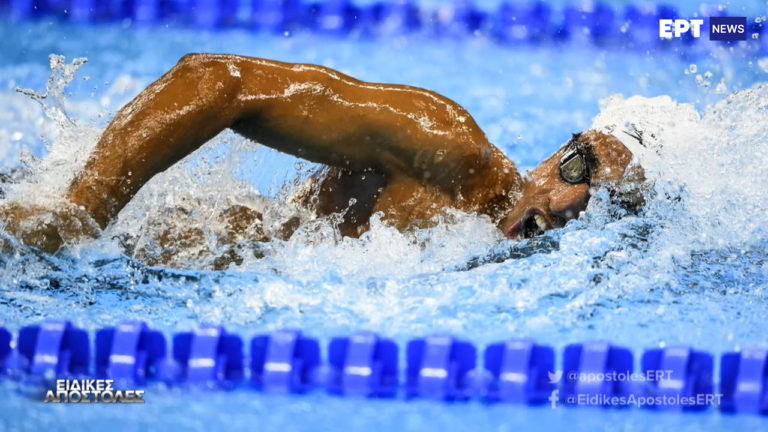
(437,367)
(634,27)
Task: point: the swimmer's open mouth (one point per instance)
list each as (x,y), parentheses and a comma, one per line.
(531,225)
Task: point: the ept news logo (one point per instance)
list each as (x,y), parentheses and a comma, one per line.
(728,28)
(720,28)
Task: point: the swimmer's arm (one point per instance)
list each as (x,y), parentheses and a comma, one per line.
(308,111)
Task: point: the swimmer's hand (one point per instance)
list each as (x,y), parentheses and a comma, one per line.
(47,229)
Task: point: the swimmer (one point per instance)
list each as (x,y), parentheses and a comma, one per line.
(403,151)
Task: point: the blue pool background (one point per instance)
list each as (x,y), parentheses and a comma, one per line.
(691,271)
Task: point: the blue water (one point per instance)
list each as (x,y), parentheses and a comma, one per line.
(690,270)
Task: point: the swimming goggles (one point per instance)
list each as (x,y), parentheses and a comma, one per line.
(573,166)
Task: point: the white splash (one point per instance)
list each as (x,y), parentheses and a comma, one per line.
(599,276)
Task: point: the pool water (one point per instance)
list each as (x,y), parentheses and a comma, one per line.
(691,269)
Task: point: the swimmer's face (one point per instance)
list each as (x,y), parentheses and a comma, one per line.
(559,189)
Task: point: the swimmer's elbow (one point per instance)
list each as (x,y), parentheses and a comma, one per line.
(192,59)
(214,68)
(213,78)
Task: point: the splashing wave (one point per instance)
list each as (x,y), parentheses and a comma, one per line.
(687,262)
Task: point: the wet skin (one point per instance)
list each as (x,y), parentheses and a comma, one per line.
(549,201)
(403,151)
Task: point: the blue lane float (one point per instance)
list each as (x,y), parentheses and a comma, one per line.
(438,368)
(284,361)
(55,348)
(529,22)
(5,348)
(522,22)
(129,353)
(690,376)
(744,381)
(520,371)
(589,370)
(337,17)
(208,356)
(397,17)
(365,364)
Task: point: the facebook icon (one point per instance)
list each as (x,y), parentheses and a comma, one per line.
(728,28)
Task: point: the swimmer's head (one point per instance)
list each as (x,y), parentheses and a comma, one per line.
(559,189)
